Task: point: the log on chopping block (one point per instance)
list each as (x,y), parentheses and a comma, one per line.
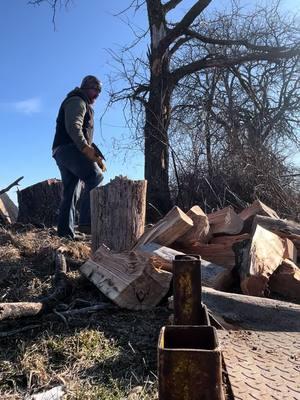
(253,313)
(212,275)
(199,231)
(286,281)
(118,212)
(167,230)
(260,258)
(225,221)
(129,279)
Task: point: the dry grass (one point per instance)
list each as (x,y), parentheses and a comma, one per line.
(105,355)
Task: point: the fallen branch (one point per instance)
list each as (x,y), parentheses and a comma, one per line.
(15,183)
(28,309)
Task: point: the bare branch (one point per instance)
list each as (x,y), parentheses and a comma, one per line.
(222,61)
(15,183)
(170,5)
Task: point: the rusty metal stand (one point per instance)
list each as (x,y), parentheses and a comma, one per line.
(189,358)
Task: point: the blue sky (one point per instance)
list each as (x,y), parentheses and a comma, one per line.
(39,66)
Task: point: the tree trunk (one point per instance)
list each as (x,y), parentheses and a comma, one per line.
(157,118)
(118,213)
(39,203)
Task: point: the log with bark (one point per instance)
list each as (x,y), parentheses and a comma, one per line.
(167,230)
(39,203)
(225,221)
(253,313)
(199,231)
(260,258)
(282,227)
(129,279)
(118,213)
(62,289)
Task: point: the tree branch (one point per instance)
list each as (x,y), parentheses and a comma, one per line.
(185,22)
(15,183)
(170,5)
(221,62)
(232,42)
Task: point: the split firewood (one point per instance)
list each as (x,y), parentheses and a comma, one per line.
(167,230)
(260,258)
(129,279)
(249,312)
(218,253)
(290,250)
(282,227)
(286,281)
(212,275)
(256,208)
(199,231)
(118,213)
(26,309)
(229,240)
(225,221)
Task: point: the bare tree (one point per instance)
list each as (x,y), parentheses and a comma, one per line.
(165,69)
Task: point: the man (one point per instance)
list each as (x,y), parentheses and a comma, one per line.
(74,155)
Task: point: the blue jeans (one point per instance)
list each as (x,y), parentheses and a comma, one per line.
(75,167)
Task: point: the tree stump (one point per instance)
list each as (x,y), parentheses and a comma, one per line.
(118,213)
(39,203)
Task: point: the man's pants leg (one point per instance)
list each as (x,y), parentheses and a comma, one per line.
(70,158)
(66,219)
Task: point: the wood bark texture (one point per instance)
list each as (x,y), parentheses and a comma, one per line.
(249,312)
(118,213)
(39,203)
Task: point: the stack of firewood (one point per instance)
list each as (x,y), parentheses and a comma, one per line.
(254,249)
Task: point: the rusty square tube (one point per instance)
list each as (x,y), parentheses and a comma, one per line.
(188,308)
(189,363)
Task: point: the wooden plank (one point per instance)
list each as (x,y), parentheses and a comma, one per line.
(168,229)
(286,281)
(225,221)
(129,279)
(199,232)
(118,212)
(266,251)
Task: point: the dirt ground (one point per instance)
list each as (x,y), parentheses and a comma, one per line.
(110,354)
